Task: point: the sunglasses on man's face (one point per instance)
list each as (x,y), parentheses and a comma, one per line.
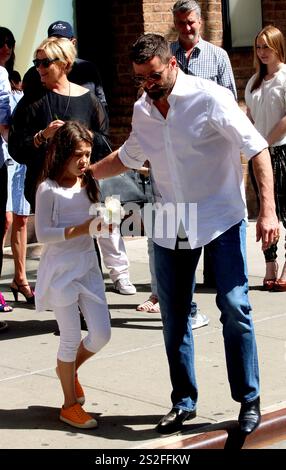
(9,43)
(139,80)
(44,62)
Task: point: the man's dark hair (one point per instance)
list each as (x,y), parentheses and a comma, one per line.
(148,46)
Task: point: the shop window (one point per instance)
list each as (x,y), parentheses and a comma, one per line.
(242,20)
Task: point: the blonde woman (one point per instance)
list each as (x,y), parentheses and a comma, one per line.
(35,123)
(265,96)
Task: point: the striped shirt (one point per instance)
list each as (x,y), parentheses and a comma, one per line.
(207,61)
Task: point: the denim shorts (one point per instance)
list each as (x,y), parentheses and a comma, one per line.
(16,201)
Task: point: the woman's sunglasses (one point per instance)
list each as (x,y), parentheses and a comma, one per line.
(9,42)
(44,62)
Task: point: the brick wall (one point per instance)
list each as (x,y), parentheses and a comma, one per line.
(157,16)
(274,12)
(133,17)
(127,25)
(130,18)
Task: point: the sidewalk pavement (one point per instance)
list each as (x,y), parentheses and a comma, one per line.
(127,384)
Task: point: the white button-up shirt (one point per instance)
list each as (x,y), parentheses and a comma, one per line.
(195,158)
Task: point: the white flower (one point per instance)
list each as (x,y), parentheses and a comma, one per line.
(108,214)
(114,210)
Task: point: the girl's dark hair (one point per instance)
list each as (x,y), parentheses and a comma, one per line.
(6,34)
(274,39)
(60,150)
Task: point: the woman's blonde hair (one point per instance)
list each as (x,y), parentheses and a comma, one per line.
(275,40)
(58,48)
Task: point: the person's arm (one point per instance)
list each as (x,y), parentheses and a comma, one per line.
(5,108)
(267,226)
(4,131)
(128,156)
(22,130)
(108,166)
(44,135)
(27,140)
(46,231)
(225,74)
(100,128)
(277,132)
(78,230)
(248,114)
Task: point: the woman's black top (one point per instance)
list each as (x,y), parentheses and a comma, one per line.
(29,118)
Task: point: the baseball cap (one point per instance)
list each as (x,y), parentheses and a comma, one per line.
(61,29)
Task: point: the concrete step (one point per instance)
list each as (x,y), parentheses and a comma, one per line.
(226,435)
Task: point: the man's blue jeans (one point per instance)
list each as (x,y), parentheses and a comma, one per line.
(175,272)
(154,290)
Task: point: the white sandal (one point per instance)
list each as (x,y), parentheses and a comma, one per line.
(155,308)
(151,305)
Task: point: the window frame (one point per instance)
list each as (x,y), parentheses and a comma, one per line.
(227,33)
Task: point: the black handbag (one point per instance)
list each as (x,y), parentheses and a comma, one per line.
(129,186)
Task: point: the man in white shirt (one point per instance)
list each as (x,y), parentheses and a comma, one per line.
(192,131)
(198,57)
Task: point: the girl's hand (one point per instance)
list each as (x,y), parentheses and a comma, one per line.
(78,230)
(98,227)
(85,226)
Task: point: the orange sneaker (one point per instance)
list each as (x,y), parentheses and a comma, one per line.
(77,417)
(79,393)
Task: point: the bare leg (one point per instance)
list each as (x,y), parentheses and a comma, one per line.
(8,223)
(19,250)
(271,270)
(82,356)
(66,372)
(19,247)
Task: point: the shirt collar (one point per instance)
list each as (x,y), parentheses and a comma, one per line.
(178,90)
(199,46)
(179,87)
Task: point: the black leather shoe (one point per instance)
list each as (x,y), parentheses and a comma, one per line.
(173,421)
(249,416)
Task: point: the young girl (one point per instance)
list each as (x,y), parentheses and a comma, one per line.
(69,276)
(265,100)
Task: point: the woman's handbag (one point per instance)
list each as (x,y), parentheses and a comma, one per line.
(129,186)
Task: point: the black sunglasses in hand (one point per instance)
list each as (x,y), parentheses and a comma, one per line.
(44,62)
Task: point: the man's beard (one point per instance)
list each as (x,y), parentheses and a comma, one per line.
(157,92)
